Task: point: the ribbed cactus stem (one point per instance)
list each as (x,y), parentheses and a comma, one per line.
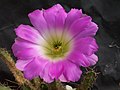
(6,57)
(88,80)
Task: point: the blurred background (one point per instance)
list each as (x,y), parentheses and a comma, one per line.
(106,13)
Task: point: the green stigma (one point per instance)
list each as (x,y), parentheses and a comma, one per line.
(57,49)
(57,45)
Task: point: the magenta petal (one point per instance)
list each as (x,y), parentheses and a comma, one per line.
(56,70)
(83,27)
(71,72)
(60,19)
(79,25)
(50,15)
(79,59)
(86,45)
(83,60)
(63,78)
(26,54)
(73,15)
(34,68)
(93,59)
(38,21)
(55,8)
(28,33)
(89,31)
(20,64)
(46,76)
(24,49)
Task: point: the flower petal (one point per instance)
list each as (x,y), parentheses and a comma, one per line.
(55,18)
(83,27)
(63,78)
(55,8)
(56,69)
(93,59)
(28,33)
(26,50)
(86,45)
(34,68)
(89,31)
(50,15)
(73,15)
(60,19)
(83,60)
(71,72)
(38,21)
(79,59)
(20,64)
(46,77)
(59,23)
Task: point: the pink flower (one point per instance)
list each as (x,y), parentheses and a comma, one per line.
(57,44)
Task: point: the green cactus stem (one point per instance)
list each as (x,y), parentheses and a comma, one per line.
(6,57)
(88,80)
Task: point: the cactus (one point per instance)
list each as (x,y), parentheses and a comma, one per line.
(2,87)
(88,80)
(6,57)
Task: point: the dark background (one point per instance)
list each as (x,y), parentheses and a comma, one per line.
(106,13)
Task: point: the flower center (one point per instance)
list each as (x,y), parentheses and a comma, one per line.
(56,47)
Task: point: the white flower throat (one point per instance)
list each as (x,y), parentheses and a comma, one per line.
(57,45)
